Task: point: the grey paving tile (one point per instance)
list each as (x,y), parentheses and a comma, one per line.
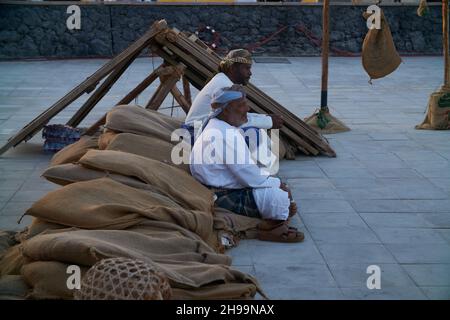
(15,209)
(382,172)
(355,253)
(324,220)
(413,206)
(295,275)
(396,220)
(442,183)
(10,184)
(368,193)
(424,155)
(409,235)
(356,183)
(437,293)
(305,169)
(439,220)
(242,254)
(408,188)
(28,195)
(304,193)
(444,233)
(432,275)
(355,275)
(5,195)
(10,223)
(345,234)
(310,183)
(389,293)
(420,253)
(287,254)
(326,206)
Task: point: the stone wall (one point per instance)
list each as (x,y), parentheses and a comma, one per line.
(30,30)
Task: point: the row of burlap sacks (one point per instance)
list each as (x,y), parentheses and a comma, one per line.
(122,196)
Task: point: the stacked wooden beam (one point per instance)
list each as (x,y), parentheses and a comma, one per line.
(186,58)
(202,64)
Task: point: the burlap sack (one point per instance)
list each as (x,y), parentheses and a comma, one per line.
(437,118)
(175,183)
(39,226)
(379,55)
(75,151)
(234,227)
(12,261)
(69,173)
(48,279)
(86,247)
(106,204)
(105,138)
(134,119)
(148,147)
(13,287)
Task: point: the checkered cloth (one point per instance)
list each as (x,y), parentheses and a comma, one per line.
(239,201)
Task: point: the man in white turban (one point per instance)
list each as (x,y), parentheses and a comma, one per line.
(221,160)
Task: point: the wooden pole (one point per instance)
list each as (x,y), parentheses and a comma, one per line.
(100,92)
(187,90)
(325,42)
(445,43)
(127,99)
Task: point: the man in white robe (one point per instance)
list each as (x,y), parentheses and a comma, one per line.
(235,68)
(221,160)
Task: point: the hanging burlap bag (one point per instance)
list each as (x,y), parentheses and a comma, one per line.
(379,55)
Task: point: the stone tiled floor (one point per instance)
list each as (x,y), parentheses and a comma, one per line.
(385,199)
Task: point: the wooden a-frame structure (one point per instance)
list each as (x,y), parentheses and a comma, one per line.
(186,58)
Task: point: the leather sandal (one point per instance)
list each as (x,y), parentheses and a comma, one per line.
(281,233)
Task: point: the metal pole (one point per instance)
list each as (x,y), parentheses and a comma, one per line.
(325,41)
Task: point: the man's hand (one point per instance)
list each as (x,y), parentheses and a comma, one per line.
(284,187)
(277,121)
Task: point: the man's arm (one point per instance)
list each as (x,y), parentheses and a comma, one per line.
(246,172)
(264,121)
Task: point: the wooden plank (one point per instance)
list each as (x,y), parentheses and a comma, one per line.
(36,124)
(100,92)
(255,107)
(141,86)
(292,121)
(180,99)
(167,83)
(127,99)
(187,90)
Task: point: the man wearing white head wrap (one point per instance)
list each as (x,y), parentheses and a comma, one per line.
(221,160)
(235,68)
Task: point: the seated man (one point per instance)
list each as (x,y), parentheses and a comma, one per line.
(235,68)
(221,160)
